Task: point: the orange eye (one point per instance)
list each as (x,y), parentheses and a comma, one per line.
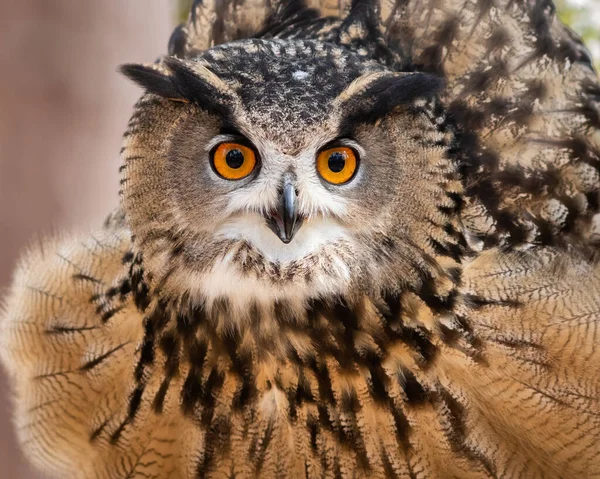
(233,161)
(337,165)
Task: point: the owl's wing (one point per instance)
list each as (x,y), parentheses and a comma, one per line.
(532,401)
(526,101)
(69,339)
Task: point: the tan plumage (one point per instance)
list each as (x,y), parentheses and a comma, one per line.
(448,330)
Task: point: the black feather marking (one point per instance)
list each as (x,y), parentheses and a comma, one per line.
(210,391)
(420,341)
(96,432)
(159,399)
(247,392)
(96,361)
(217,441)
(135,401)
(439,304)
(128,257)
(115,436)
(378,383)
(108,314)
(147,352)
(262,447)
(59,330)
(457,433)
(139,286)
(415,392)
(169,344)
(192,390)
(86,278)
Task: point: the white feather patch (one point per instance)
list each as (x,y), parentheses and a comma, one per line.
(226,280)
(312,235)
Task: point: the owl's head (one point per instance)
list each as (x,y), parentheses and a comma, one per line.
(269,169)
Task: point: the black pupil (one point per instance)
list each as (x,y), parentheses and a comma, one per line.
(235,159)
(337,161)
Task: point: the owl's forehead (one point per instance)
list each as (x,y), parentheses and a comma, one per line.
(286,86)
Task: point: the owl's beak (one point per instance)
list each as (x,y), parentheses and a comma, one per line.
(285,222)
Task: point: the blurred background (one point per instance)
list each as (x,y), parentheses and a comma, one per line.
(63,109)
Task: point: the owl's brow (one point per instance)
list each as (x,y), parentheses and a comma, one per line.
(227,137)
(230,127)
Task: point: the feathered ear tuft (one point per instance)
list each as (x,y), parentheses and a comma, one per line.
(374,95)
(152,78)
(182,80)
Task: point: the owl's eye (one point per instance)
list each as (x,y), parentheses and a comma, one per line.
(337,165)
(233,161)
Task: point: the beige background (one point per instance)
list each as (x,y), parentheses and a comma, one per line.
(63,109)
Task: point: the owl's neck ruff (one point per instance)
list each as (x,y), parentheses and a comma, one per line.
(269,344)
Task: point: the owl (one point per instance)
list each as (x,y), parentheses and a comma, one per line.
(356,239)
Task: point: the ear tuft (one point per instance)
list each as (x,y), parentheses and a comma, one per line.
(375,95)
(201,86)
(153,78)
(184,81)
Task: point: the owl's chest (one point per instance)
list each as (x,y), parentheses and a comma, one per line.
(291,423)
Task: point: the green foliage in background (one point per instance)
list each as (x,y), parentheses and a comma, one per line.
(183,9)
(581,15)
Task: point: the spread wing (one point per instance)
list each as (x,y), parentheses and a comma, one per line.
(69,336)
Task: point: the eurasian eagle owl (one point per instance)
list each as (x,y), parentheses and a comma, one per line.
(354,241)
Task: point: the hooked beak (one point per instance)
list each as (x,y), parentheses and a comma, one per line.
(285,222)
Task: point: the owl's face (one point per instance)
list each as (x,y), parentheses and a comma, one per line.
(276,168)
